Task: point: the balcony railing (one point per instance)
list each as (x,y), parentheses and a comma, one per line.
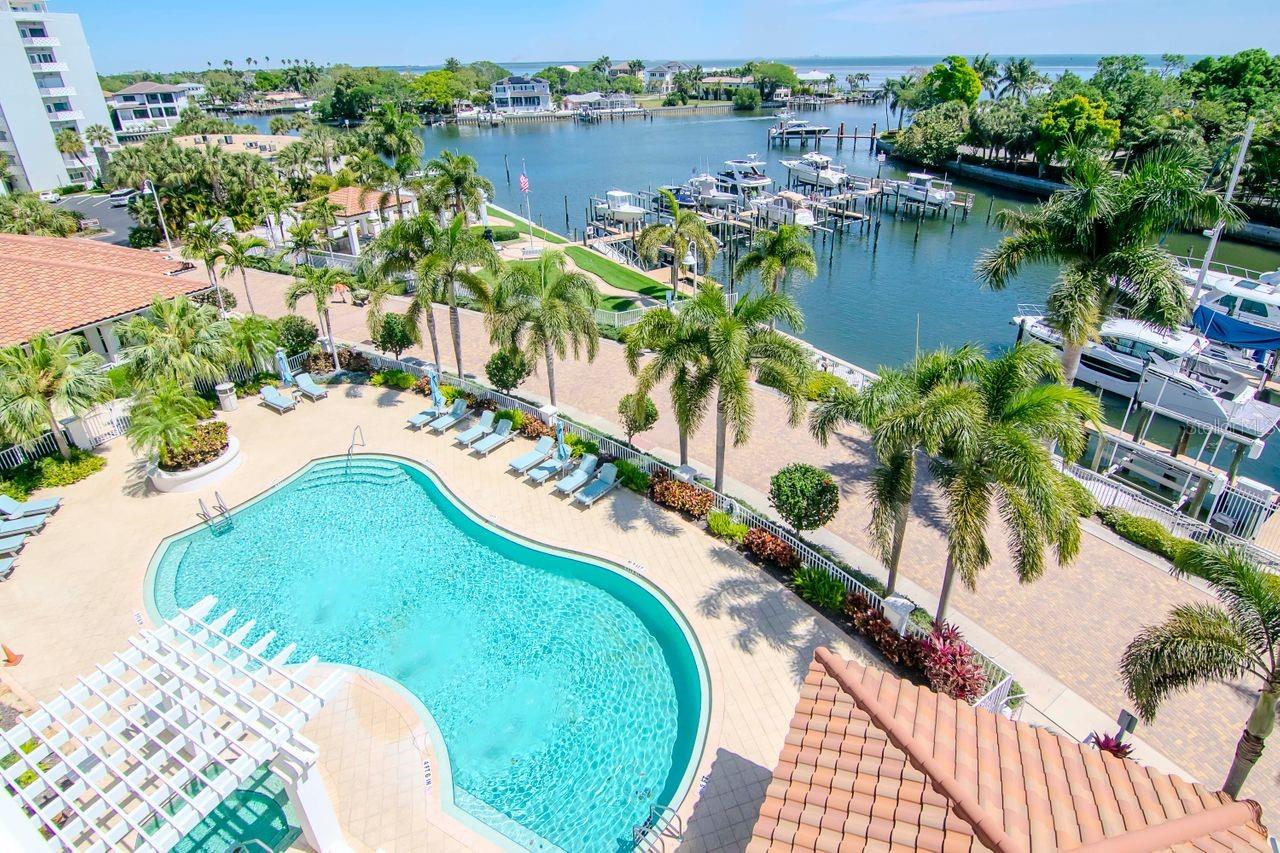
(57,91)
(65,115)
(49,66)
(41,41)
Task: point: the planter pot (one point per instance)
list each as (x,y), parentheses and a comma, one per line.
(192,479)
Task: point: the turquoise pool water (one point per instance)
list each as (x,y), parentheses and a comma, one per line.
(570,698)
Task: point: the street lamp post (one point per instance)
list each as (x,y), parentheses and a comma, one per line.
(147,186)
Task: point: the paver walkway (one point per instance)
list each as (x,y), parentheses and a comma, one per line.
(1074,622)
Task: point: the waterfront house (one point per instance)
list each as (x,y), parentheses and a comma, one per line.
(818,81)
(519,94)
(83,287)
(195,90)
(599,102)
(361,214)
(623,69)
(265,145)
(873,757)
(727,84)
(147,108)
(661,78)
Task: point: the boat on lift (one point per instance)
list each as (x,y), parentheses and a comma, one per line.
(744,178)
(798,128)
(818,170)
(1227,400)
(921,186)
(785,208)
(621,206)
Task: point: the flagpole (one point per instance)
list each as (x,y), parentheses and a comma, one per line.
(528,205)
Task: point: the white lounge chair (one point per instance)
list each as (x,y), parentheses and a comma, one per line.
(491,442)
(449,418)
(579,477)
(541,451)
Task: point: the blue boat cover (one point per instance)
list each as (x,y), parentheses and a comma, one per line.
(1229,330)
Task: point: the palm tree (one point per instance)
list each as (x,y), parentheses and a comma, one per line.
(320,284)
(988,71)
(68,141)
(995,450)
(252,339)
(163,418)
(776,254)
(457,257)
(678,360)
(1019,79)
(687,231)
(393,133)
(1102,230)
(203,242)
(399,250)
(917,404)
(176,339)
(236,254)
(602,65)
(99,135)
(1204,643)
(323,141)
(546,310)
(455,178)
(25,213)
(44,378)
(304,239)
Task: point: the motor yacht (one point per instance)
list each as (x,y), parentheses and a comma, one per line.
(785,208)
(744,178)
(817,170)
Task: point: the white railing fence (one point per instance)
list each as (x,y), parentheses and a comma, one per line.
(997,676)
(19,454)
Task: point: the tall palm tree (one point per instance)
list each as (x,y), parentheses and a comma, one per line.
(394,133)
(1224,642)
(988,71)
(456,179)
(305,239)
(995,451)
(323,141)
(678,359)
(68,141)
(252,339)
(1103,232)
(684,233)
(776,254)
(48,377)
(917,404)
(176,339)
(398,251)
(99,135)
(236,253)
(1020,79)
(547,311)
(202,242)
(457,257)
(320,284)
(898,94)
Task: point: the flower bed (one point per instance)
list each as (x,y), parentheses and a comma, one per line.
(690,499)
(770,548)
(208,442)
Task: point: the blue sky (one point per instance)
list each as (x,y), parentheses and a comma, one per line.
(180,35)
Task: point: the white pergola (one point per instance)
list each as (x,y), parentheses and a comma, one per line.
(136,753)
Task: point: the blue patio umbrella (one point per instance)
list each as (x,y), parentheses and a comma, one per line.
(562,449)
(437,399)
(282,367)
(671,298)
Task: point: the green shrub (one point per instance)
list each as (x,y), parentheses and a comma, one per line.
(805,496)
(49,472)
(210,297)
(722,526)
(450,393)
(637,415)
(507,368)
(1146,533)
(121,384)
(818,588)
(251,386)
(579,446)
(400,380)
(821,384)
(206,444)
(297,334)
(396,333)
(632,476)
(746,98)
(143,237)
(514,415)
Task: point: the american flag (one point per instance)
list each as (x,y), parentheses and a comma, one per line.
(524,183)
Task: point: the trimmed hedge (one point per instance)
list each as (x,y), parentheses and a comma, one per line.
(1146,533)
(49,472)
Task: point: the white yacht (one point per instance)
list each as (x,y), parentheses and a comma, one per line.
(785,208)
(1252,299)
(818,170)
(705,190)
(744,178)
(1225,400)
(921,186)
(621,206)
(797,128)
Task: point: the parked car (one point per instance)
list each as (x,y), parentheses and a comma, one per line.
(50,196)
(121,197)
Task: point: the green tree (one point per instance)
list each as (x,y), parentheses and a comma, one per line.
(1104,229)
(68,141)
(746,99)
(900,95)
(178,340)
(772,76)
(394,133)
(935,135)
(988,71)
(396,333)
(400,250)
(1237,638)
(685,232)
(953,79)
(1020,79)
(320,284)
(456,179)
(907,411)
(806,497)
(252,339)
(25,213)
(304,238)
(507,368)
(454,267)
(163,418)
(677,359)
(1075,121)
(1248,80)
(296,334)
(777,253)
(638,412)
(236,253)
(547,311)
(44,379)
(203,242)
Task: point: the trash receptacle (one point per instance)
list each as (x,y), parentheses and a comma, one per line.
(226,396)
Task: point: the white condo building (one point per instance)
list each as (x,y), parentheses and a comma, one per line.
(147,108)
(48,83)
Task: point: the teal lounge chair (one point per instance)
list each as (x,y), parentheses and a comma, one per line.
(30,524)
(579,477)
(599,487)
(425,417)
(12,509)
(449,418)
(541,451)
(275,400)
(12,544)
(6,568)
(548,468)
(495,439)
(482,428)
(309,388)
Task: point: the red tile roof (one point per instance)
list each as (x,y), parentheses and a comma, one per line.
(354,201)
(873,762)
(62,284)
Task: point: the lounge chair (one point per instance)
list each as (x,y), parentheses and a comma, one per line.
(6,568)
(599,487)
(483,427)
(579,477)
(425,417)
(309,388)
(275,400)
(12,509)
(12,544)
(495,439)
(30,524)
(541,451)
(449,418)
(548,468)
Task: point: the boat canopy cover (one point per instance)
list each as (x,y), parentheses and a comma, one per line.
(1229,330)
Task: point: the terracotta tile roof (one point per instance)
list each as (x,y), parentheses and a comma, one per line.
(62,284)
(355,201)
(873,762)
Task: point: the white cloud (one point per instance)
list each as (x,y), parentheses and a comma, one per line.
(865,11)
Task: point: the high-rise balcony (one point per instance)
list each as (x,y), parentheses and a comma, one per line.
(57,91)
(41,41)
(65,115)
(49,66)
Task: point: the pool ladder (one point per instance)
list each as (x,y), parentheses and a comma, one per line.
(220,518)
(662,824)
(355,442)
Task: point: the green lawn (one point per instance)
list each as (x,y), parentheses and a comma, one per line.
(623,278)
(524,228)
(616,303)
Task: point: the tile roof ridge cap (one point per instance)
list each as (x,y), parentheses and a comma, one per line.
(1182,830)
(93,267)
(988,828)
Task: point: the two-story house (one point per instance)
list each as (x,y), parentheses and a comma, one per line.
(518,94)
(661,78)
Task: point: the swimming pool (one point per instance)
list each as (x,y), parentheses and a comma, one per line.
(569,696)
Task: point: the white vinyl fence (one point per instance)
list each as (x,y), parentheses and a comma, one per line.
(999,681)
